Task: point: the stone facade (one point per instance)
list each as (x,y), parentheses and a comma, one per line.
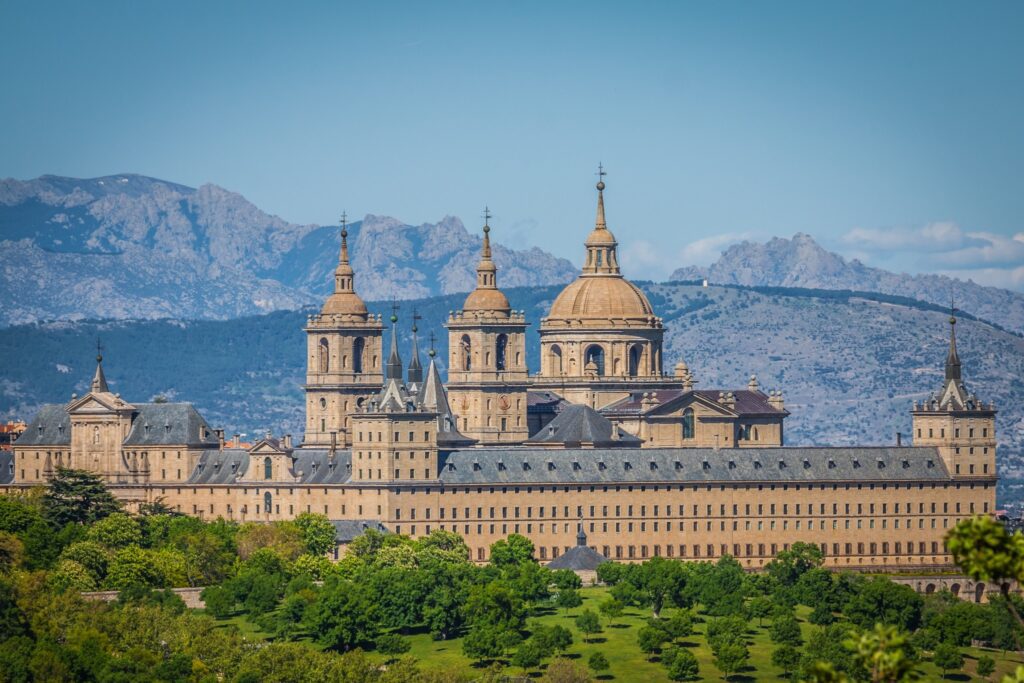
(601,442)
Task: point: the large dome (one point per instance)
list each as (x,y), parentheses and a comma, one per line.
(489,300)
(344,303)
(601,297)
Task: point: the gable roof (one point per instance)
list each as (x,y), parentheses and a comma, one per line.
(347,530)
(747,403)
(578,424)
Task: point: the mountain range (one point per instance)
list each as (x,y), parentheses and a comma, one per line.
(802,262)
(132,247)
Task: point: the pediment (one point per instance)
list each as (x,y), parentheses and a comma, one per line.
(93,404)
(700,404)
(264,447)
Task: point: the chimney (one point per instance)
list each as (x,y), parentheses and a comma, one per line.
(288,441)
(220,438)
(899,439)
(334,443)
(236,440)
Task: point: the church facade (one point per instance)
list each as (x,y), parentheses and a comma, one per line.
(601,437)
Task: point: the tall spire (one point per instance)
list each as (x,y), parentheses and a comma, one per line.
(602,258)
(952,358)
(415,375)
(600,224)
(99,380)
(394,367)
(487,299)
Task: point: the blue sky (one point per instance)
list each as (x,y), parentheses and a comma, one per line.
(875,127)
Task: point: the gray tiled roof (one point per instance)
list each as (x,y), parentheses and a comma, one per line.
(50,427)
(578,424)
(578,558)
(6,467)
(220,467)
(311,466)
(690,465)
(157,424)
(347,530)
(747,403)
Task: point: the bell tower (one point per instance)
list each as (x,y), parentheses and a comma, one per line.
(487,374)
(343,357)
(957,422)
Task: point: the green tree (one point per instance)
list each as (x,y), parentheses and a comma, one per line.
(650,640)
(344,615)
(78,497)
(787,658)
(789,565)
(133,566)
(392,644)
(566,578)
(588,623)
(759,608)
(821,615)
(785,630)
(881,600)
(513,550)
(568,598)
(659,582)
(882,654)
(948,657)
(681,664)
(486,641)
(116,530)
(598,663)
(986,666)
(730,658)
(527,655)
(318,534)
(986,551)
(220,602)
(726,630)
(611,609)
(723,589)
(562,670)
(12,551)
(70,575)
(91,555)
(552,639)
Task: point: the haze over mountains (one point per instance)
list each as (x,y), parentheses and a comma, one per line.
(128,246)
(802,262)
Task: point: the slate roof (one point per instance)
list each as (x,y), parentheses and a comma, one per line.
(691,465)
(6,467)
(311,466)
(579,424)
(544,402)
(347,530)
(578,558)
(748,403)
(168,424)
(50,427)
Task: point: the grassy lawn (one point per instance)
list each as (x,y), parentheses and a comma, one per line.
(618,643)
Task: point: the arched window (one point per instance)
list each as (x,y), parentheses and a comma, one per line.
(268,469)
(595,355)
(556,360)
(500,348)
(325,357)
(634,360)
(268,501)
(688,423)
(358,349)
(467,353)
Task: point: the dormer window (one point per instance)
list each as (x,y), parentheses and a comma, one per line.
(831,464)
(654,465)
(856,462)
(526,465)
(881,463)
(451,467)
(679,465)
(551,465)
(732,464)
(906,464)
(627,465)
(501,466)
(705,465)
(476,466)
(601,465)
(782,464)
(807,464)
(757,464)
(576,465)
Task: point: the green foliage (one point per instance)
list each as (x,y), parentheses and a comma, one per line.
(759,608)
(680,664)
(134,566)
(90,555)
(567,598)
(552,639)
(785,630)
(78,497)
(786,657)
(986,666)
(790,565)
(650,639)
(588,623)
(881,600)
(528,655)
(344,615)
(731,657)
(116,530)
(70,575)
(565,579)
(598,663)
(723,589)
(610,573)
(611,609)
(318,533)
(726,630)
(392,644)
(220,601)
(513,550)
(883,653)
(948,657)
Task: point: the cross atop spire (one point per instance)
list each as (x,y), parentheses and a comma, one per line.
(433,339)
(600,224)
(99,380)
(343,258)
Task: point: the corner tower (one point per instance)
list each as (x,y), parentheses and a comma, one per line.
(343,357)
(955,421)
(487,359)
